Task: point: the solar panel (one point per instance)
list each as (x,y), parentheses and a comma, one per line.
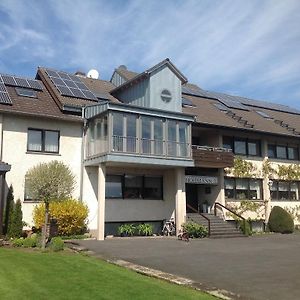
(21,82)
(57,81)
(221,106)
(4,98)
(70,85)
(2,87)
(64,90)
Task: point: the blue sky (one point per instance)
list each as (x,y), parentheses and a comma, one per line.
(247,48)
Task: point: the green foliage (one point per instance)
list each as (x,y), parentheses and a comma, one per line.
(50,181)
(145,229)
(267,169)
(70,215)
(9,208)
(126,230)
(16,225)
(245,227)
(56,244)
(280,221)
(289,172)
(18,242)
(30,242)
(195,230)
(243,168)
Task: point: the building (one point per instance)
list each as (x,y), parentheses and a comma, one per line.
(150,146)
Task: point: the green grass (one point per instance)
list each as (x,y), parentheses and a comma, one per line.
(36,275)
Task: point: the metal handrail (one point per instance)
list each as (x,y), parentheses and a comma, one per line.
(230,210)
(210,148)
(196,211)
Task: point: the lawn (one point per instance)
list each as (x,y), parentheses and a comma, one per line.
(36,275)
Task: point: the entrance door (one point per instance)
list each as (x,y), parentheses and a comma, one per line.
(191,197)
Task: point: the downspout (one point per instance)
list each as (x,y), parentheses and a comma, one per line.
(1,136)
(83,130)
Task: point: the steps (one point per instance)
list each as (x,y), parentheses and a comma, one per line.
(218,227)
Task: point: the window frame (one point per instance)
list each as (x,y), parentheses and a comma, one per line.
(43,140)
(230,141)
(19,92)
(277,182)
(248,190)
(143,196)
(287,147)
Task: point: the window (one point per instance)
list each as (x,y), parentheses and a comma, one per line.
(28,194)
(26,92)
(113,186)
(158,136)
(241,146)
(243,188)
(118,127)
(146,135)
(183,132)
(172,145)
(134,187)
(152,188)
(131,133)
(284,190)
(283,152)
(40,140)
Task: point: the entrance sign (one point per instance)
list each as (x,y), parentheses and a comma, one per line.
(194,179)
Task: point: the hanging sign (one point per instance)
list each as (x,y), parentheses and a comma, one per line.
(195,179)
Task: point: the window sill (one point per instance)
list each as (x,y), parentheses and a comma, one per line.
(32,201)
(43,153)
(134,199)
(240,200)
(285,200)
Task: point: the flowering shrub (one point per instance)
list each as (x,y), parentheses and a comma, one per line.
(70,215)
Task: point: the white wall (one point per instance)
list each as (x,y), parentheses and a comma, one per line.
(15,148)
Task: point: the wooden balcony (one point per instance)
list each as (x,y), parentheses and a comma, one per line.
(212,157)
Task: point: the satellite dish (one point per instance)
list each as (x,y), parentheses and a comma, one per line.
(93,74)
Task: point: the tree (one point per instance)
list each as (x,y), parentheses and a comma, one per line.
(9,208)
(16,223)
(48,182)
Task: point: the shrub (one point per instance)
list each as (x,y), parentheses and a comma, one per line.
(126,230)
(70,215)
(245,227)
(145,229)
(30,242)
(280,221)
(195,230)
(16,225)
(56,244)
(18,242)
(9,208)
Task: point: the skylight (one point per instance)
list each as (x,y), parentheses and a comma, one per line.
(26,92)
(263,114)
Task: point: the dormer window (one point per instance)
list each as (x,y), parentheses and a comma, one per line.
(26,92)
(166,95)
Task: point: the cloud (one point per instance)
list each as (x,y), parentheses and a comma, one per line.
(251,47)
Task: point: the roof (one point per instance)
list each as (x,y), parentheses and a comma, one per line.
(43,105)
(126,74)
(148,72)
(96,86)
(278,122)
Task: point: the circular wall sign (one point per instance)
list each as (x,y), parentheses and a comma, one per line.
(166,95)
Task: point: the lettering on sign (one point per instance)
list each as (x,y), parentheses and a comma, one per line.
(194,179)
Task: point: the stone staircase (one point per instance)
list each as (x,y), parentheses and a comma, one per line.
(218,227)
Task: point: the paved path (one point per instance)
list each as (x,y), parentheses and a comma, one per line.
(262,267)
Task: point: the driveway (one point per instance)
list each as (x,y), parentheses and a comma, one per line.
(261,267)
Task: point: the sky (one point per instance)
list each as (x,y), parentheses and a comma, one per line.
(246,48)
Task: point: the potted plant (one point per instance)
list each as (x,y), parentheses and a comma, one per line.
(126,230)
(145,229)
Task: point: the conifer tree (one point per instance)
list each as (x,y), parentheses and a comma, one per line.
(9,208)
(16,224)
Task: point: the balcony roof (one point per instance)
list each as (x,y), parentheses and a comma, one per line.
(92,111)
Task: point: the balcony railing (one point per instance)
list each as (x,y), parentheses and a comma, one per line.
(139,146)
(212,157)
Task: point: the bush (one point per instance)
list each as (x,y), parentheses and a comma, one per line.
(9,208)
(246,229)
(70,214)
(145,229)
(30,242)
(56,244)
(280,221)
(126,230)
(18,242)
(16,225)
(195,230)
